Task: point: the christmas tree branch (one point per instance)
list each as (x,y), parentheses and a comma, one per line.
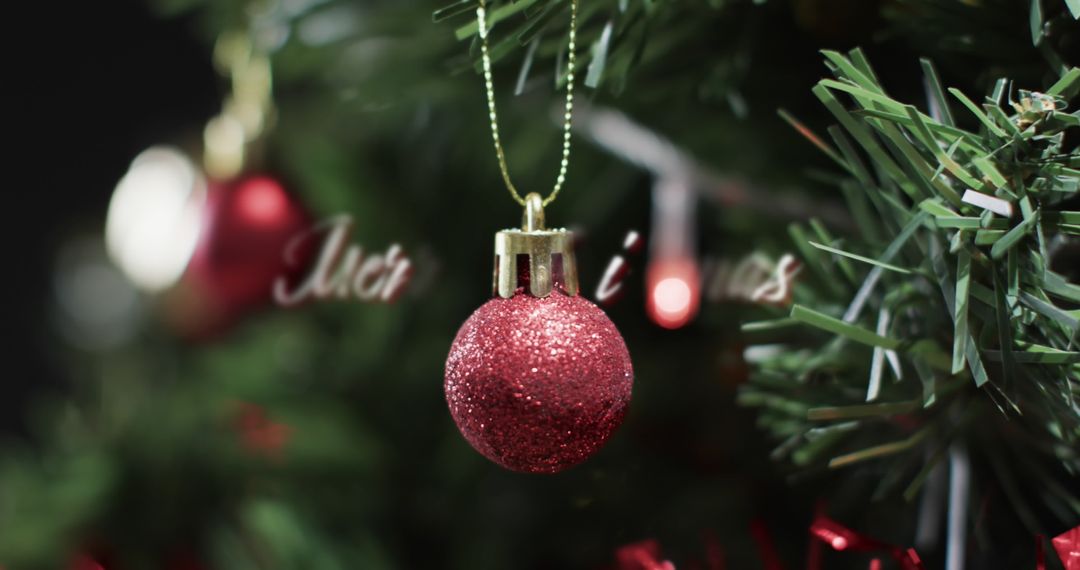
(954,281)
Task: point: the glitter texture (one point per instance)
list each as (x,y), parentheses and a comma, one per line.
(538,384)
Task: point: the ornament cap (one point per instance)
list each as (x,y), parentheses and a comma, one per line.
(550,255)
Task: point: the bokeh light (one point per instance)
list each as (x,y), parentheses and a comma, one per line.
(96,307)
(674,292)
(154,218)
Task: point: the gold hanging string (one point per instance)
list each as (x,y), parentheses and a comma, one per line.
(481,19)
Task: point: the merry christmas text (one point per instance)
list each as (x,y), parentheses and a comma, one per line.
(343,270)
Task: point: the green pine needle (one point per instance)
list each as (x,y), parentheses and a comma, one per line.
(956,296)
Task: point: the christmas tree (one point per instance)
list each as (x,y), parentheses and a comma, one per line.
(251,331)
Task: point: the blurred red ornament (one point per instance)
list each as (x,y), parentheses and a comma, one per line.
(673,287)
(84,562)
(258,434)
(244,245)
(247,226)
(538,384)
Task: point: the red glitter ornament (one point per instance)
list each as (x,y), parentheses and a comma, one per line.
(538,378)
(538,384)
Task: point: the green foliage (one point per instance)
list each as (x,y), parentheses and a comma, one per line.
(942,323)
(614,35)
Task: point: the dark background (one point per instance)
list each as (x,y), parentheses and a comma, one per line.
(94,84)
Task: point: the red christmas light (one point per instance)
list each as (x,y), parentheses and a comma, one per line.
(673,291)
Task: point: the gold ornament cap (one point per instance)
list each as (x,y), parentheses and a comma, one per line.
(550,256)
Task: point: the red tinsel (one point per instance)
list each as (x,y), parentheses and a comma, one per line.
(1067,546)
(841,538)
(644,555)
(770,560)
(714,552)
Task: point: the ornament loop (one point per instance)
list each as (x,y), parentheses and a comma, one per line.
(549,255)
(533,218)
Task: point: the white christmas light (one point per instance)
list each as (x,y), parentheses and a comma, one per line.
(154,218)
